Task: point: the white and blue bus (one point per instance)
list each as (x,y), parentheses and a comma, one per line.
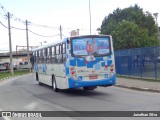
(80,61)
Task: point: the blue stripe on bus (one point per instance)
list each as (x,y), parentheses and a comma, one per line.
(67,71)
(109,56)
(90,64)
(103,82)
(81,62)
(73,62)
(109,62)
(102,64)
(98,59)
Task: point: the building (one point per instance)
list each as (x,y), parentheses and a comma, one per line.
(17,57)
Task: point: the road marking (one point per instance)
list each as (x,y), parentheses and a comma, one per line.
(31,106)
(6,118)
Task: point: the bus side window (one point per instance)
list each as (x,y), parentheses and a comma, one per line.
(53,54)
(57,54)
(38,53)
(40,56)
(41,60)
(45,55)
(48,54)
(64,52)
(60,54)
(35,56)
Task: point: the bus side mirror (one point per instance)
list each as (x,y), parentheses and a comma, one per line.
(68,42)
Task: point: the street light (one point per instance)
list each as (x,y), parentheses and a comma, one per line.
(156,16)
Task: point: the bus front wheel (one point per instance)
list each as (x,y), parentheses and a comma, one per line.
(54,85)
(37,78)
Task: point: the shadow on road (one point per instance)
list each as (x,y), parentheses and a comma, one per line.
(79,92)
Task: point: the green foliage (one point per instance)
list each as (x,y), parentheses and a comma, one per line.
(130,28)
(6,74)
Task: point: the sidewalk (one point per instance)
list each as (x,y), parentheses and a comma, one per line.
(138,84)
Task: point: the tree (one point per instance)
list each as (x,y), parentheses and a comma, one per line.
(130,28)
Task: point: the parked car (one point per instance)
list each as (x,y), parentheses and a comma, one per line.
(2,67)
(22,65)
(7,65)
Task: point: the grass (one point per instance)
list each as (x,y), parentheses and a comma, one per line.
(6,74)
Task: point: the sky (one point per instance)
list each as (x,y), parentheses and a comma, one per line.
(46,16)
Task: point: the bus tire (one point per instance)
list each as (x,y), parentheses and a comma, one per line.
(54,85)
(37,78)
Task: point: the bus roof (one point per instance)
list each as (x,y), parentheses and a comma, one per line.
(50,44)
(65,39)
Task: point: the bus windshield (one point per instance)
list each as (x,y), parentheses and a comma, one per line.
(96,46)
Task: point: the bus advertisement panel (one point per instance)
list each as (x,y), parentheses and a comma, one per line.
(89,46)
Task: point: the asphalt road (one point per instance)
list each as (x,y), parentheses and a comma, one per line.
(24,94)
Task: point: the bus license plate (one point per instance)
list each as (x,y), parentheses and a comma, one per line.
(93,77)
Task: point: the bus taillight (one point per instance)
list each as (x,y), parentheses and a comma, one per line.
(72,68)
(73,72)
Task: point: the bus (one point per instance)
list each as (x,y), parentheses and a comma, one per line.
(81,61)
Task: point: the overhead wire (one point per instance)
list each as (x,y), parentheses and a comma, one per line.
(4,10)
(18,28)
(3,25)
(28,30)
(42,35)
(45,26)
(13,17)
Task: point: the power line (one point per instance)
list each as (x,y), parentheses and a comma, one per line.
(3,25)
(11,26)
(42,35)
(17,19)
(18,28)
(28,30)
(13,17)
(4,10)
(45,26)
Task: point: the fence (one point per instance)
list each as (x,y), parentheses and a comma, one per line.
(139,62)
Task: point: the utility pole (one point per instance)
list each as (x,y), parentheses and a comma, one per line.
(60,32)
(10,45)
(27,41)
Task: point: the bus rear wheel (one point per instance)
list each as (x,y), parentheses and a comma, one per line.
(54,85)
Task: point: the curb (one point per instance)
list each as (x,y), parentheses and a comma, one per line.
(12,77)
(9,77)
(137,88)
